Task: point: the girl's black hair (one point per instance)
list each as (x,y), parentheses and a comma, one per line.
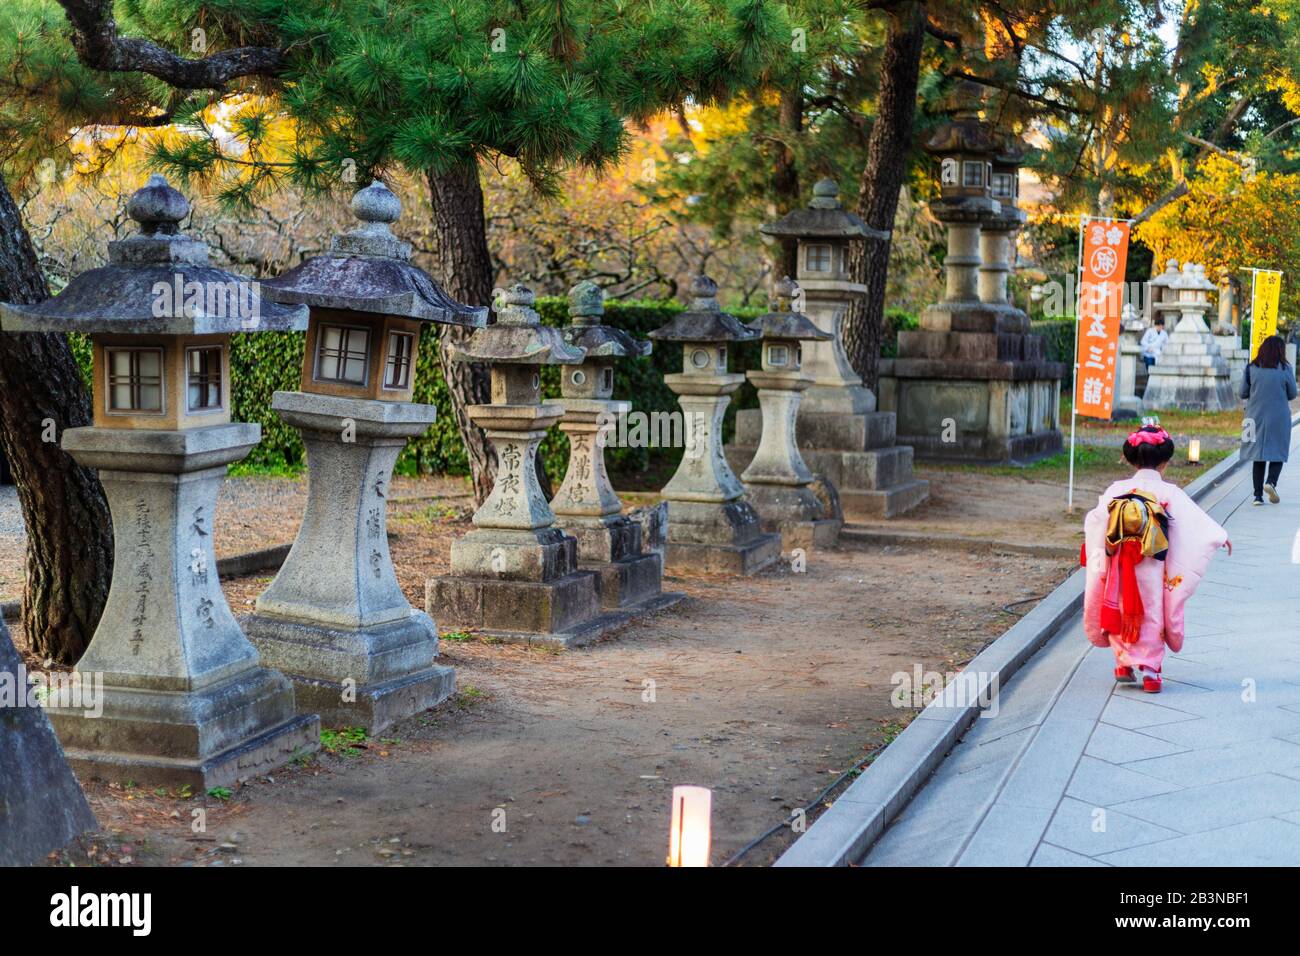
(1148,455)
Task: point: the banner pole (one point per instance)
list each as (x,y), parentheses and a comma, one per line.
(1074,380)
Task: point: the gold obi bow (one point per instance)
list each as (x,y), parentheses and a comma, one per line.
(1138,516)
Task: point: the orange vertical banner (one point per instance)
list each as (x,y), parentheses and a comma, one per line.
(1101,293)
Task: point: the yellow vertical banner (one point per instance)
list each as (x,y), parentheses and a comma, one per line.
(1264,296)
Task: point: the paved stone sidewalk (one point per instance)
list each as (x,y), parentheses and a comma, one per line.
(1075,770)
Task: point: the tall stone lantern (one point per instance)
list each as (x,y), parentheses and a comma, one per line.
(777,480)
(516,575)
(842,435)
(972,383)
(1191,373)
(586,505)
(186,699)
(335,618)
(711,526)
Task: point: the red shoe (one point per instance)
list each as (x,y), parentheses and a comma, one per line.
(1151,684)
(1124,675)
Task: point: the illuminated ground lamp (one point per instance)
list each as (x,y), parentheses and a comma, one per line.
(689,835)
(1194,451)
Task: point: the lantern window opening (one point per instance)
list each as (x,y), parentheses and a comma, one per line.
(972,174)
(203,378)
(579,377)
(607,376)
(778,355)
(1004,185)
(722,357)
(817,258)
(343,354)
(135,380)
(397,370)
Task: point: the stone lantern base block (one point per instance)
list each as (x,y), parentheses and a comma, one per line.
(794,512)
(44,809)
(854,452)
(725,537)
(630,580)
(367,678)
(201,737)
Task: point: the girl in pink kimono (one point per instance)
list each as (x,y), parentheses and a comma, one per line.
(1146,547)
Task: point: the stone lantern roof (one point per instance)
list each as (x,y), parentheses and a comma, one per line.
(704,321)
(965,132)
(589,332)
(518,336)
(784,322)
(158,282)
(824,218)
(369,270)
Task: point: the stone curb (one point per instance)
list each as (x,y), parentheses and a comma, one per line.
(845,832)
(861,534)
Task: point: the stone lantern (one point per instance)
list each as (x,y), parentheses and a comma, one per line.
(972,383)
(335,618)
(185,697)
(1191,373)
(777,480)
(516,575)
(844,439)
(586,505)
(1160,298)
(998,229)
(711,527)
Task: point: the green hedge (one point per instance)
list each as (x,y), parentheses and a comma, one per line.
(266,362)
(1058,336)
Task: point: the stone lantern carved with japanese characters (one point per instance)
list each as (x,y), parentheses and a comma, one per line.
(516,576)
(842,435)
(186,699)
(586,505)
(335,618)
(777,481)
(711,525)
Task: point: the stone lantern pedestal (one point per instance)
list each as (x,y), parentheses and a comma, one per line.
(186,700)
(516,576)
(711,526)
(185,697)
(1191,373)
(335,618)
(842,435)
(586,505)
(777,481)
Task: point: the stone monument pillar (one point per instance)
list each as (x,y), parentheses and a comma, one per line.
(843,437)
(41,806)
(711,526)
(335,619)
(586,505)
(185,697)
(1226,333)
(1191,373)
(515,576)
(777,481)
(972,384)
(1128,403)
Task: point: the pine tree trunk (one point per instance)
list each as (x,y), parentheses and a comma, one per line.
(785,180)
(888,150)
(69,530)
(464,268)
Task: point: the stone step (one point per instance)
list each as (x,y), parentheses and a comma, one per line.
(888,502)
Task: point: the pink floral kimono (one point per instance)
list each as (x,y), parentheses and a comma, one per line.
(1165,586)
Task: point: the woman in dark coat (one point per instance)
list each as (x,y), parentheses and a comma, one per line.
(1268,385)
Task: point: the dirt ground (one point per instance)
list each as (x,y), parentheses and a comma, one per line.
(764,689)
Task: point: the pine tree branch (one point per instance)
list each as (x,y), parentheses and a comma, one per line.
(100,47)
